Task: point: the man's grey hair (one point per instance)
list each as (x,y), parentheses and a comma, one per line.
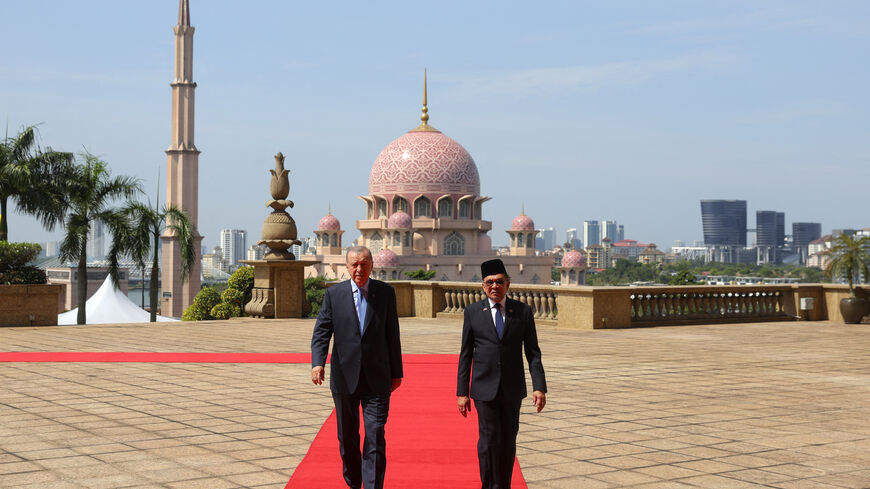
(358,249)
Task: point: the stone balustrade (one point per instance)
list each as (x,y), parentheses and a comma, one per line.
(625,307)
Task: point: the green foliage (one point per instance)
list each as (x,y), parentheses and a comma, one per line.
(203,303)
(850,259)
(243,281)
(625,272)
(17,255)
(232,297)
(421,274)
(314,291)
(555,274)
(684,277)
(14,268)
(225,310)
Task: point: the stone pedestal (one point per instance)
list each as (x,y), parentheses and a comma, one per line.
(278,289)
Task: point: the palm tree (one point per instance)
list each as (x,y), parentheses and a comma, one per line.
(143,237)
(850,258)
(86,194)
(27,174)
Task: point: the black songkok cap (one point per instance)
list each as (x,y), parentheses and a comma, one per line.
(492,267)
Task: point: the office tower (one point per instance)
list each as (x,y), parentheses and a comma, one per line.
(767,228)
(182,174)
(724,222)
(548,238)
(572,238)
(591,233)
(255,252)
(50,249)
(620,232)
(234,243)
(96,241)
(802,233)
(608,230)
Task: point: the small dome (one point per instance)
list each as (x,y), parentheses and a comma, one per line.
(523,223)
(573,259)
(329,223)
(386,259)
(399,220)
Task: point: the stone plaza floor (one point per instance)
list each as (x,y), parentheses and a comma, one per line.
(783,405)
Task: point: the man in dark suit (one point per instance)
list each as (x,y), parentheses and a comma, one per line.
(495,332)
(366,365)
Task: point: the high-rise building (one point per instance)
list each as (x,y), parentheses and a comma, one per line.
(234,243)
(769,228)
(591,233)
(255,252)
(802,233)
(724,222)
(620,232)
(572,239)
(96,240)
(548,239)
(182,175)
(608,230)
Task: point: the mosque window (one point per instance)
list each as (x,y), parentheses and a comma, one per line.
(423,207)
(530,240)
(382,208)
(454,244)
(393,275)
(335,240)
(383,274)
(369,211)
(407,238)
(445,207)
(513,240)
(478,209)
(324,239)
(376,243)
(397,240)
(520,240)
(463,209)
(571,276)
(400,204)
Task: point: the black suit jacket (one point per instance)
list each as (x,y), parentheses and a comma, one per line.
(377,351)
(487,362)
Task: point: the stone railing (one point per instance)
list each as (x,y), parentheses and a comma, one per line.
(542,300)
(657,305)
(626,307)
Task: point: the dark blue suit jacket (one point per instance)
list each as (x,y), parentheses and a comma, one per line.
(487,362)
(377,351)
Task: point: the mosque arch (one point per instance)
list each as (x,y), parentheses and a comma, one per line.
(334,239)
(454,244)
(521,242)
(423,207)
(400,204)
(376,243)
(464,209)
(445,207)
(382,208)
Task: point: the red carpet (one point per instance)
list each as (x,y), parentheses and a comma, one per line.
(429,444)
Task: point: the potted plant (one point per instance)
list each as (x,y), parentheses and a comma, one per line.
(849,257)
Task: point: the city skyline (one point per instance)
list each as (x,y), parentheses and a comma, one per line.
(636,113)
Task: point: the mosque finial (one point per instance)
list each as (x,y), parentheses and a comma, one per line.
(183,12)
(523,209)
(329,212)
(425,116)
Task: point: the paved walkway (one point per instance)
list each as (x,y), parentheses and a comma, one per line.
(783,405)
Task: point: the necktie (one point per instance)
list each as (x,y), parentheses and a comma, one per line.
(499,321)
(361,308)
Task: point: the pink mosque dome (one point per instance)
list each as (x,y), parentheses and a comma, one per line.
(523,223)
(385,259)
(399,220)
(329,223)
(573,259)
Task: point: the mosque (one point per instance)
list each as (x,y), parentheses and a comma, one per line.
(424,210)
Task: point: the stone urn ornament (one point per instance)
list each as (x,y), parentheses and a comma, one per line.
(279,229)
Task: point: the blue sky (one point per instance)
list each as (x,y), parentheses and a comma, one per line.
(632,111)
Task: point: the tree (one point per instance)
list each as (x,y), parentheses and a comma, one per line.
(684,277)
(850,258)
(27,174)
(142,237)
(421,274)
(87,192)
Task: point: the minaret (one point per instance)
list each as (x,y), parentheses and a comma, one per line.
(182,174)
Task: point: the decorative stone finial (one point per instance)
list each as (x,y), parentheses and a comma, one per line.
(279,229)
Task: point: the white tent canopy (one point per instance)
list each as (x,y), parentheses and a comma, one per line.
(110,305)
